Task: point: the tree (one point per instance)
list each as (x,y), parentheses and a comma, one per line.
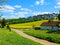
(59,15)
(3,23)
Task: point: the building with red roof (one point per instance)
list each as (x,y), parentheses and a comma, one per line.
(52,25)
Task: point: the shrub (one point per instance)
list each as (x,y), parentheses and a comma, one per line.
(37,28)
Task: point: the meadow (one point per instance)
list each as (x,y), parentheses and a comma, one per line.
(43,34)
(11,38)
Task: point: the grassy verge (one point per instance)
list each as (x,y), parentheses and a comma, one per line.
(42,34)
(11,38)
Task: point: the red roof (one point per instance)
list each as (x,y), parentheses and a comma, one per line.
(49,23)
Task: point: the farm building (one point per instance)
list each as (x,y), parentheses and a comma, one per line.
(50,26)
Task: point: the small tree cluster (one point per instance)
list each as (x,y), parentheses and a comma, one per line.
(3,23)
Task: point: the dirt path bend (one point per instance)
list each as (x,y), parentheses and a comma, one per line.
(33,38)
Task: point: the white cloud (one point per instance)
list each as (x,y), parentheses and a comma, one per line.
(21,14)
(13,16)
(58,3)
(37,2)
(26,9)
(37,13)
(16,15)
(46,12)
(57,7)
(7,8)
(40,2)
(11,11)
(17,6)
(4,17)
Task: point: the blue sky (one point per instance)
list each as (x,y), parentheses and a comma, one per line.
(26,8)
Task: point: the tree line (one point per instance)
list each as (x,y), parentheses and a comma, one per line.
(22,20)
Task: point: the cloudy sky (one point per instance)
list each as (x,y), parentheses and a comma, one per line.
(26,8)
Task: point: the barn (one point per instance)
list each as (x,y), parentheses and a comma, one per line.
(52,25)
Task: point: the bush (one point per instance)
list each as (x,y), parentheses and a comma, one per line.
(50,39)
(8,27)
(37,28)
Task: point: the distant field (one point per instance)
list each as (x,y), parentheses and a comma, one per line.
(43,34)
(28,25)
(12,38)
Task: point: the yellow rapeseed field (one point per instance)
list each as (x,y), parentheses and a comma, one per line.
(28,25)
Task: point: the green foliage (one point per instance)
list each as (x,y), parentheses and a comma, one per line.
(12,38)
(8,27)
(59,16)
(3,23)
(21,20)
(42,34)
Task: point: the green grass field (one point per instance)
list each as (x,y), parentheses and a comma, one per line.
(28,25)
(12,38)
(42,34)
